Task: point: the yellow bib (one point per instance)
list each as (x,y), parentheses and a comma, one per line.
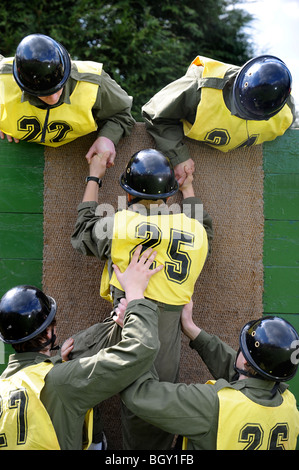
(245,425)
(181,244)
(24,421)
(65,123)
(214,123)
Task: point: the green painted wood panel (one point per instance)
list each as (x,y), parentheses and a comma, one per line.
(21,219)
(20,235)
(282,196)
(20,271)
(21,189)
(281,155)
(21,177)
(281,231)
(281,293)
(281,243)
(21,155)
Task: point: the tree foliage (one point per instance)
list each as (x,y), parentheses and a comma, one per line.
(142,44)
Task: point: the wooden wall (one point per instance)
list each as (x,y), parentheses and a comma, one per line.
(21,224)
(21,219)
(281,230)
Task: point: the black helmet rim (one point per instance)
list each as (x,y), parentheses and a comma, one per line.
(149,174)
(65,57)
(141,195)
(246,111)
(40,328)
(248,355)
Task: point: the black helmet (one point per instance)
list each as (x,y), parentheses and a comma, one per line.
(25,312)
(268,345)
(41,65)
(149,175)
(261,88)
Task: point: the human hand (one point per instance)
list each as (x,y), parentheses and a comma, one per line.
(98,164)
(102,145)
(97,168)
(186,187)
(119,312)
(9,137)
(180,170)
(135,278)
(66,349)
(188,326)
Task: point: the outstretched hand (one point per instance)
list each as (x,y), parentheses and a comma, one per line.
(97,168)
(102,145)
(180,170)
(98,164)
(119,312)
(9,137)
(189,328)
(135,278)
(67,348)
(186,187)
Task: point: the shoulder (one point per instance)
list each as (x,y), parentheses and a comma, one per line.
(6,64)
(87,71)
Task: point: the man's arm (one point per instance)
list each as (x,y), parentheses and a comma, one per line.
(163,115)
(115,367)
(4,67)
(112,112)
(218,356)
(101,335)
(187,410)
(191,205)
(84,238)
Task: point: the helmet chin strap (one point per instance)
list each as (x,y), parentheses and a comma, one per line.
(245,372)
(51,341)
(136,200)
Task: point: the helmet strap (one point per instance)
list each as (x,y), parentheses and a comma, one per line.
(245,372)
(136,200)
(133,201)
(51,341)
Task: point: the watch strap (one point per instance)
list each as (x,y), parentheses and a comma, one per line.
(93,178)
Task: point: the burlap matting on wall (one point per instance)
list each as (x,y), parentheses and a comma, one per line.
(229,290)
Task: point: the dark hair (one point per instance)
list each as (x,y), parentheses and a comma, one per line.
(35,344)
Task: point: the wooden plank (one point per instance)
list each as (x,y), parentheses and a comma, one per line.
(281,196)
(21,219)
(22,154)
(20,271)
(281,155)
(21,189)
(20,236)
(281,234)
(281,243)
(281,293)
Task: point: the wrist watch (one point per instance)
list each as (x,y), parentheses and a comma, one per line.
(93,178)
